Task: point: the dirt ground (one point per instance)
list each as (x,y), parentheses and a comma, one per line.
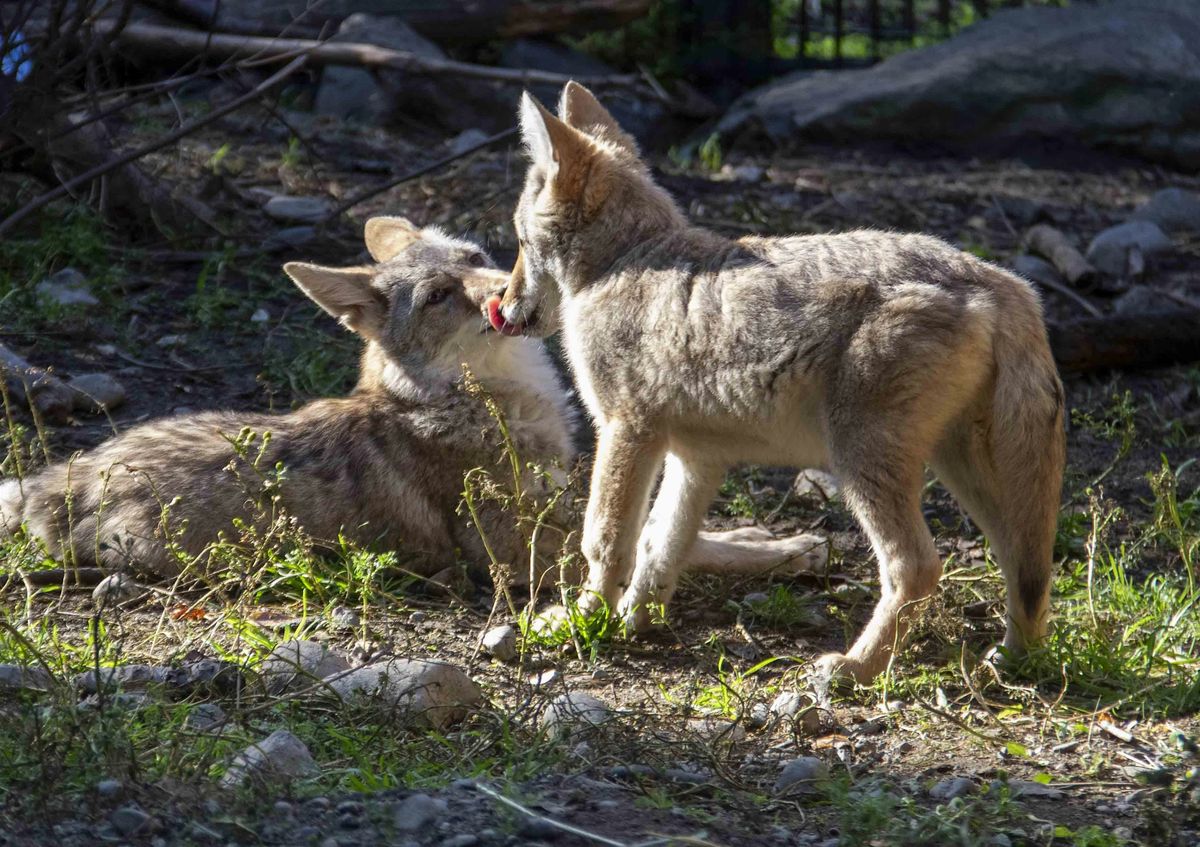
(179,334)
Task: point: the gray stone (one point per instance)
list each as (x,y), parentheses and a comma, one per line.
(1123,74)
(802,775)
(538,828)
(205,717)
(501,642)
(353,93)
(417,811)
(573,714)
(303,209)
(1036,269)
(129,820)
(115,589)
(957,786)
(1121,250)
(297,665)
(122,677)
(289,238)
(280,757)
(68,287)
(756,597)
(800,708)
(466,839)
(434,693)
(1140,299)
(96,392)
(1175,210)
(343,617)
(109,788)
(261,316)
(25,678)
(465,140)
(815,483)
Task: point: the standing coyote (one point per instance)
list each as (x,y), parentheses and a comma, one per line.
(869,353)
(384,466)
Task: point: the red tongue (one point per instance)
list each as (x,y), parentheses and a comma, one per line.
(497,320)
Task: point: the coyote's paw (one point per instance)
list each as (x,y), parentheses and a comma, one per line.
(635,613)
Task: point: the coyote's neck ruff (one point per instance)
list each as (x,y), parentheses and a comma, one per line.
(869,353)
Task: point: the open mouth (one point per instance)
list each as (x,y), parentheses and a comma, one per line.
(501,324)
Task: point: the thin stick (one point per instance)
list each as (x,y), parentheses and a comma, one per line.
(170,138)
(411,175)
(565,827)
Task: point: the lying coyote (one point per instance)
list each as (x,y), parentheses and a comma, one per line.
(869,353)
(383,466)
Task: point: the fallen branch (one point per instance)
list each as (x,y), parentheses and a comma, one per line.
(170,138)
(38,388)
(164,42)
(1127,341)
(1051,244)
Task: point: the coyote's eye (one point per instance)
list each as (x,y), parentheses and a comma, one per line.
(476,260)
(437,296)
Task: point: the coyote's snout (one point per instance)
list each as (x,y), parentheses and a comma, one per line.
(869,353)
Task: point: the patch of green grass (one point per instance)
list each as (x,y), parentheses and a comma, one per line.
(783,609)
(304,362)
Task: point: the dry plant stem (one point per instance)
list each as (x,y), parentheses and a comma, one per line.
(133,155)
(560,825)
(1048,242)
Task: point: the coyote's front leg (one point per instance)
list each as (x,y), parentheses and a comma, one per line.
(627,461)
(686,490)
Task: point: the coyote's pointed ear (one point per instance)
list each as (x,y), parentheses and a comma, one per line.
(387,236)
(579,108)
(345,293)
(552,144)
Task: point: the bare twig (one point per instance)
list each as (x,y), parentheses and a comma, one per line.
(137,153)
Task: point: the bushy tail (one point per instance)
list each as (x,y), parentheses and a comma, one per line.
(11,503)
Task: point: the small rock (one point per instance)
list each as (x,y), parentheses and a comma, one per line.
(206,677)
(957,786)
(171,340)
(299,209)
(129,820)
(539,829)
(574,713)
(801,775)
(800,708)
(1139,299)
(812,482)
(205,717)
(68,287)
(464,840)
(115,589)
(743,173)
(760,714)
(756,597)
(260,316)
(418,811)
(296,665)
(434,693)
(1174,210)
(500,642)
(280,756)
(109,788)
(1036,269)
(1114,250)
(289,238)
(21,678)
(417,617)
(283,808)
(123,677)
(717,729)
(96,392)
(465,140)
(686,777)
(343,617)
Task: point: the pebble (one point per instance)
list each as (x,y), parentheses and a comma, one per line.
(115,588)
(802,774)
(432,693)
(171,340)
(124,677)
(343,617)
(464,840)
(96,392)
(1024,788)
(129,820)
(260,316)
(500,642)
(574,713)
(109,788)
(417,617)
(1174,210)
(349,807)
(300,664)
(319,804)
(283,808)
(756,597)
(281,756)
(297,209)
(1112,252)
(948,789)
(305,834)
(417,811)
(68,287)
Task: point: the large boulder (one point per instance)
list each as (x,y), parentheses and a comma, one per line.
(1123,75)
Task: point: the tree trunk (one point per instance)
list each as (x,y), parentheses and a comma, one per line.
(1127,341)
